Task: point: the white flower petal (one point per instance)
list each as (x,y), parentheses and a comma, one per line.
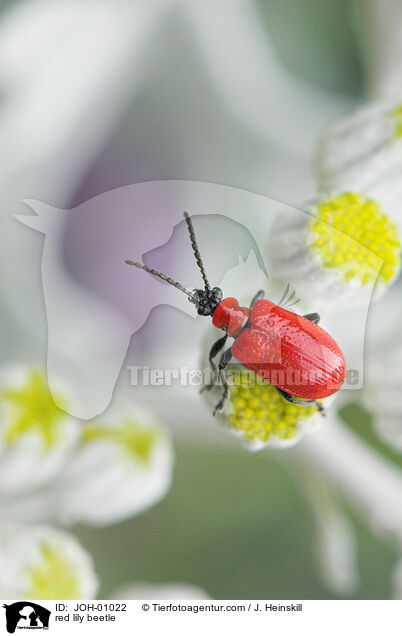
(370,482)
(43,563)
(383,393)
(244,62)
(363,152)
(378,25)
(337,552)
(336,541)
(355,136)
(104,40)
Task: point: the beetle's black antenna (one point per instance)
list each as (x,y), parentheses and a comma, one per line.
(196,251)
(167,279)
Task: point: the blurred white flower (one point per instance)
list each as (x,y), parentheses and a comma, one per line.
(104,40)
(43,563)
(378,25)
(69,70)
(122,466)
(337,552)
(363,153)
(383,392)
(339,252)
(36,436)
(245,63)
(335,542)
(160,591)
(371,483)
(340,462)
(54,468)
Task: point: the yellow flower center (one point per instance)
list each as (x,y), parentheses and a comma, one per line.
(131,435)
(54,577)
(261,413)
(31,409)
(350,233)
(396,115)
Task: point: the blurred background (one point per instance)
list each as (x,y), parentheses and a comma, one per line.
(100,95)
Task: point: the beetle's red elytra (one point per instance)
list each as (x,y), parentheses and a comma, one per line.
(282,347)
(290,351)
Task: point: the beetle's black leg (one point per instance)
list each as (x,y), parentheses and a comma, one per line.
(216,347)
(313,317)
(223,362)
(289,398)
(260,294)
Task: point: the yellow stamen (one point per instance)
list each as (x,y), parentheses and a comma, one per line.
(130,434)
(31,409)
(345,228)
(261,413)
(53,577)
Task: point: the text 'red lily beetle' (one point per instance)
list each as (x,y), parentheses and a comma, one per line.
(290,351)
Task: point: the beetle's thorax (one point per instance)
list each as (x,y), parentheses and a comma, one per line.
(229,316)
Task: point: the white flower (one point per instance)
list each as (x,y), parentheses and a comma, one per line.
(122,466)
(160,591)
(36,435)
(339,252)
(43,563)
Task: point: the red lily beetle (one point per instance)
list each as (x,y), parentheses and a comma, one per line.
(288,350)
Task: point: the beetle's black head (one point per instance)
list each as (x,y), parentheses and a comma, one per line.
(206,300)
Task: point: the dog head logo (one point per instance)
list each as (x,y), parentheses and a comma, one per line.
(26,615)
(95,302)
